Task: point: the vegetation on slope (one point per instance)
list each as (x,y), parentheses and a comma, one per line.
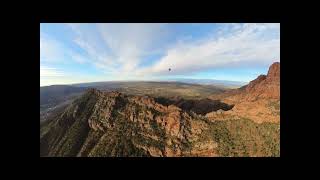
(245,138)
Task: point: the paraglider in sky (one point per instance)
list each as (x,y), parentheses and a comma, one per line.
(165,91)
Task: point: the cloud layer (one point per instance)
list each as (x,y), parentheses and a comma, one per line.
(242,45)
(142,51)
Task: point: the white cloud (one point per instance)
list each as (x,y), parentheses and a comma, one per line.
(78,58)
(55,77)
(119,48)
(48,72)
(246,44)
(53,51)
(50,50)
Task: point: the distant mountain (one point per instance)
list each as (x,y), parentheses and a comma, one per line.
(218,83)
(53,95)
(50,92)
(223,83)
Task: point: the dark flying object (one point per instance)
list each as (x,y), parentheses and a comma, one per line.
(169,69)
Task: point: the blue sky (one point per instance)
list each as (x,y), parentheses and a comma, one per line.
(75,53)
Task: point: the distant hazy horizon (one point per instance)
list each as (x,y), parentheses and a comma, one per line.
(84,53)
(189,81)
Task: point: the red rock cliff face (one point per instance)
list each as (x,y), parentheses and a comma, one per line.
(274,72)
(266,86)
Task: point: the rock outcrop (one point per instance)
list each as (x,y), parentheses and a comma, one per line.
(265,86)
(258,101)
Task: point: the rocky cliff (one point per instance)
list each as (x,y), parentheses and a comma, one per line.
(265,86)
(258,101)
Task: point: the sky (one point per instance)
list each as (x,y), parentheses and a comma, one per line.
(76,53)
